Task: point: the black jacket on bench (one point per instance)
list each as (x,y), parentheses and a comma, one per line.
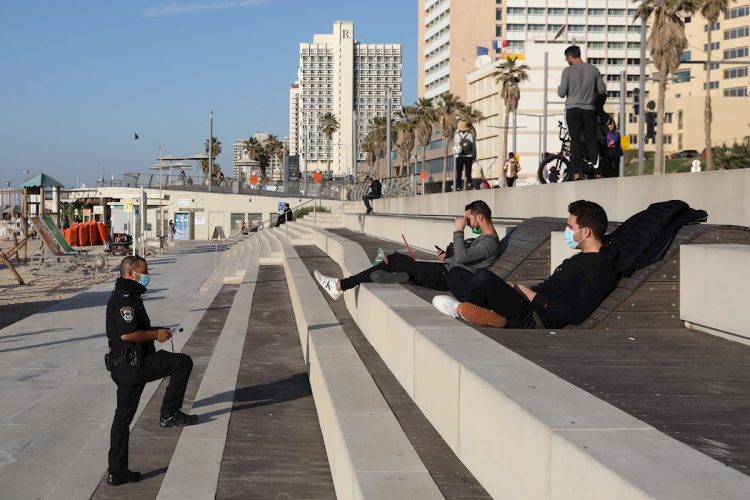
(646,236)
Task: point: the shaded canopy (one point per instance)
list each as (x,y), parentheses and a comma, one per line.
(42,180)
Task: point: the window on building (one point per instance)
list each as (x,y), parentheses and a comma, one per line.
(736,53)
(576,28)
(735,92)
(737,12)
(735,72)
(668,117)
(613,28)
(686,55)
(613,78)
(714,46)
(634,62)
(595,60)
(515,27)
(516,11)
(634,28)
(634,45)
(712,27)
(616,12)
(536,11)
(633,139)
(536,27)
(498,30)
(552,11)
(714,85)
(576,12)
(596,12)
(499,14)
(595,45)
(740,32)
(681,76)
(615,60)
(613,93)
(633,78)
(595,28)
(616,45)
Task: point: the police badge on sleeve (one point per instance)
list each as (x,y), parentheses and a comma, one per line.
(127,314)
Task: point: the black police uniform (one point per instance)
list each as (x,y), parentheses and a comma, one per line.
(136,364)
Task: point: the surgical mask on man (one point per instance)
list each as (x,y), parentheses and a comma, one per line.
(474,228)
(568,235)
(143,279)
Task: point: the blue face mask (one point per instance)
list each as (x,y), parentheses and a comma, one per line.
(569,238)
(144,279)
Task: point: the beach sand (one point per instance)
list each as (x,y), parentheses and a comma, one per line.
(44,289)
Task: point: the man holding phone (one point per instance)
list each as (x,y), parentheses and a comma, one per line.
(465,256)
(133,361)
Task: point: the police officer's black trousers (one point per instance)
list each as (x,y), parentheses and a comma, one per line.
(130,382)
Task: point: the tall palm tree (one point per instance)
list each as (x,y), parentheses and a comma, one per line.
(711,10)
(405,137)
(425,117)
(447,117)
(329,125)
(509,75)
(252,148)
(666,43)
(215,151)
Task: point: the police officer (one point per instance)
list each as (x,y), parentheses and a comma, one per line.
(133,361)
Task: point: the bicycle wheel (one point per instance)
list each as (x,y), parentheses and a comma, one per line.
(561,172)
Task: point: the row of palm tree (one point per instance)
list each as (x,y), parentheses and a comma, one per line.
(666,43)
(215,149)
(263,151)
(415,126)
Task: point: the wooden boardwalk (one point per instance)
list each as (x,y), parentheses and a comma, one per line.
(274,446)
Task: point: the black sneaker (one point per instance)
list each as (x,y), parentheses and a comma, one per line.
(126,476)
(369,211)
(177,419)
(389,278)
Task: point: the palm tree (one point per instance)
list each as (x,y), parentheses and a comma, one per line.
(329,125)
(666,43)
(425,116)
(275,148)
(370,149)
(509,75)
(216,151)
(469,115)
(711,10)
(252,148)
(405,137)
(447,117)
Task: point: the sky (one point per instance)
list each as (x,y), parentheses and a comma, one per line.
(78,78)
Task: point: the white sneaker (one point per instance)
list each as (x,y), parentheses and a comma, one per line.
(446,305)
(328,284)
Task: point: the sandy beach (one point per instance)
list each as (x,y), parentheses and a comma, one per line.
(46,288)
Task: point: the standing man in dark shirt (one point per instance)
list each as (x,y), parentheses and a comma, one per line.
(580,85)
(133,361)
(569,296)
(374,193)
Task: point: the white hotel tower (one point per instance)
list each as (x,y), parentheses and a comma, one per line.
(339,75)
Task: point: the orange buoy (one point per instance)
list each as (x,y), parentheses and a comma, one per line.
(84,239)
(93,233)
(103,231)
(72,237)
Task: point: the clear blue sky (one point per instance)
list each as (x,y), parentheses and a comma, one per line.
(80,77)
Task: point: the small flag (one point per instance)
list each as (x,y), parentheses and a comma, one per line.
(483,51)
(499,44)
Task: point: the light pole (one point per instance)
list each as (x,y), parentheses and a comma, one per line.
(160,219)
(389,99)
(210,148)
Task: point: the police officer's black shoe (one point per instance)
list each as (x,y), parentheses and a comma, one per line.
(177,418)
(126,476)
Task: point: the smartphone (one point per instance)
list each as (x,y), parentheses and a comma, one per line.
(439,249)
(175,329)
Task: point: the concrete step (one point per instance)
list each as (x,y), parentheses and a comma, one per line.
(369,454)
(268,255)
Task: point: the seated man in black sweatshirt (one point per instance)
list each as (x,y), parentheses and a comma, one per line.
(569,296)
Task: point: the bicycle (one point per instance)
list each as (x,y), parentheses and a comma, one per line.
(556,168)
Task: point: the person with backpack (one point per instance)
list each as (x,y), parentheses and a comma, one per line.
(477,176)
(465,152)
(511,169)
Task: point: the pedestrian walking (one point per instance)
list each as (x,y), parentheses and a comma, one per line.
(465,152)
(511,169)
(614,145)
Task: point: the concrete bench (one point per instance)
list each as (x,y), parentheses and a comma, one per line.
(522,431)
(713,288)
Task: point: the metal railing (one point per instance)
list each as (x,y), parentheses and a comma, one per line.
(333,189)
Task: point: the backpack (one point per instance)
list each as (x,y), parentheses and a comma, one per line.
(465,144)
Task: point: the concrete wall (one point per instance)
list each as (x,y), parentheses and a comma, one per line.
(723,194)
(713,287)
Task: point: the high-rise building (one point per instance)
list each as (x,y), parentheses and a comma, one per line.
(294,119)
(449,33)
(349,79)
(686,93)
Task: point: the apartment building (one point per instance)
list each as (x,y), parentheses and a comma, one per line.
(449,33)
(349,79)
(684,117)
